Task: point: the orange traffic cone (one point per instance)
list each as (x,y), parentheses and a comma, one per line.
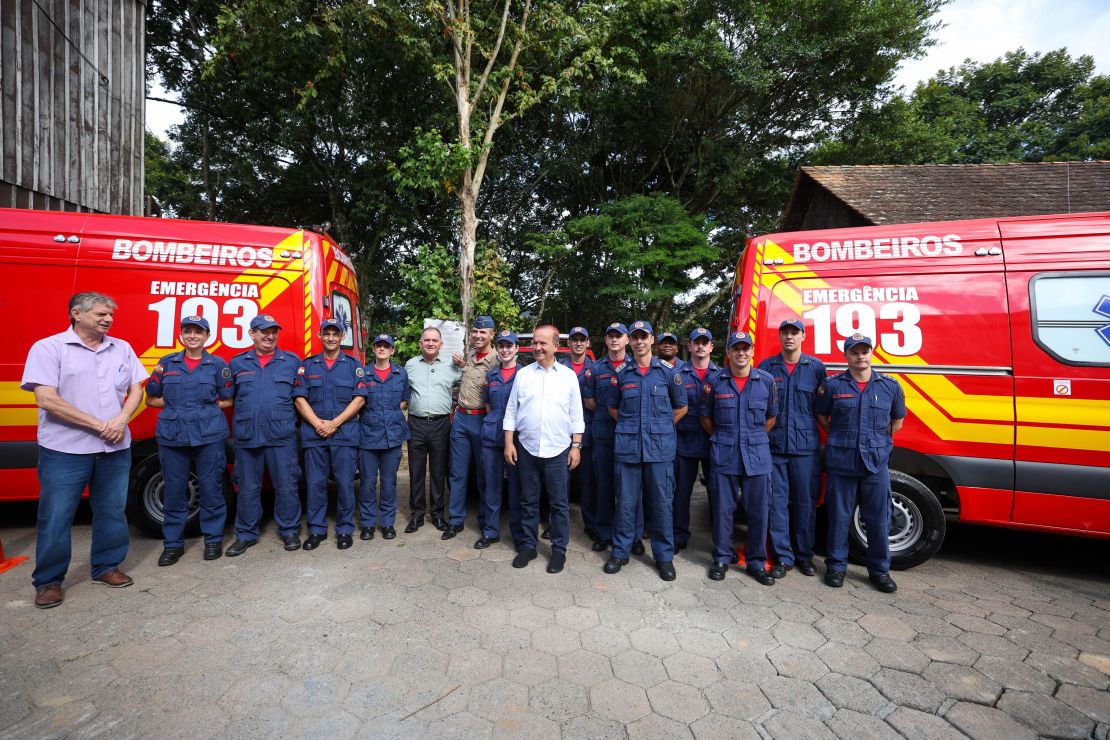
(9,563)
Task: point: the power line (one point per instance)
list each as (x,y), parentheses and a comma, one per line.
(103,77)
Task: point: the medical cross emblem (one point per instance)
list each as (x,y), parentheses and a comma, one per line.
(1102,308)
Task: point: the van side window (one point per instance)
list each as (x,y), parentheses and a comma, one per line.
(1071,317)
(341,309)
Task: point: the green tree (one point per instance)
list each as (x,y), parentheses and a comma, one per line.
(1023,107)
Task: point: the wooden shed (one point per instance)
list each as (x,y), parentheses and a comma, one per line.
(72,87)
(867,195)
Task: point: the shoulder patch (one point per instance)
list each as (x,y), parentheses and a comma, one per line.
(665,363)
(359,372)
(159,368)
(300,370)
(619,367)
(226,372)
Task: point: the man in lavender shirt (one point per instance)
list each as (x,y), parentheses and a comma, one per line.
(86,385)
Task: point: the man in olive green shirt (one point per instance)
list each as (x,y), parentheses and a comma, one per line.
(466,429)
(432,381)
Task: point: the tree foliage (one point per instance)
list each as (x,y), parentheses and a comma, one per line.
(1023,107)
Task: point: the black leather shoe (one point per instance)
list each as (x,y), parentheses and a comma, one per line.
(170,555)
(637,547)
(291,542)
(666,570)
(213,550)
(614,564)
(440,524)
(238,547)
(805,567)
(717,571)
(761,575)
(389,533)
(600,546)
(735,558)
(483,542)
(557,561)
(778,570)
(546,533)
(342,542)
(524,557)
(311,543)
(881,581)
(413,526)
(451,531)
(367,533)
(834,578)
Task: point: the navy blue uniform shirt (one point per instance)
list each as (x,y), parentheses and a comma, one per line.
(495,394)
(600,383)
(692,439)
(740,444)
(329,391)
(382,423)
(191,417)
(795,432)
(583,379)
(645,403)
(859,440)
(264,414)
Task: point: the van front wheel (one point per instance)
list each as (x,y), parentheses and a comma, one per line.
(916,524)
(147,493)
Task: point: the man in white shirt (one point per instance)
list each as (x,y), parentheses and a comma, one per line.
(544,415)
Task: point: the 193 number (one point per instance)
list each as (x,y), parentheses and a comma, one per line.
(238,312)
(903,339)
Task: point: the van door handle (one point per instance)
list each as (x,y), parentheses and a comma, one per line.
(59,238)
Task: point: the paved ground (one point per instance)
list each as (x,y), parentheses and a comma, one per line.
(1005,634)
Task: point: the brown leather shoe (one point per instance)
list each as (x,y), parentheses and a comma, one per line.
(114,579)
(49,596)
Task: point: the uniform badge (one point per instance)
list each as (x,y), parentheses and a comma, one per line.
(158,368)
(708,388)
(588,372)
(857,335)
(194,318)
(359,372)
(821,390)
(300,370)
(614,326)
(226,372)
(678,380)
(613,380)
(268,317)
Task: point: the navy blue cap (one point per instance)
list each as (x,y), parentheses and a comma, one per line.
(857,339)
(264,321)
(668,337)
(617,327)
(796,323)
(578,331)
(195,321)
(506,336)
(383,339)
(641,326)
(483,322)
(701,332)
(739,337)
(336,324)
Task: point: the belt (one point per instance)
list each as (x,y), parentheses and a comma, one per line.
(471,412)
(435,417)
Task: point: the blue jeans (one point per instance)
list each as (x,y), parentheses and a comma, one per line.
(62,480)
(210,465)
(550,474)
(372,510)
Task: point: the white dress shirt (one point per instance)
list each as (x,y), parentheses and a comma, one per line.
(545,409)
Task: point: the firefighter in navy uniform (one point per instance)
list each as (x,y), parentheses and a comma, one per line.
(598,389)
(192,388)
(693,442)
(329,392)
(264,427)
(649,400)
(795,451)
(861,409)
(495,396)
(582,477)
(383,430)
(739,408)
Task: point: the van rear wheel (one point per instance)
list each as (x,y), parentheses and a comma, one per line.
(917,524)
(147,493)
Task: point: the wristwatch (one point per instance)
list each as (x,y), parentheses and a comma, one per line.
(576,445)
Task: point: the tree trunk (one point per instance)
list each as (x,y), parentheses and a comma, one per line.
(206,169)
(468,235)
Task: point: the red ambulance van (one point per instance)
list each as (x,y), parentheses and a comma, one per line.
(157,270)
(999,332)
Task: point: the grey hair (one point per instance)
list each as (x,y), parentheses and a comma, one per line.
(432,328)
(85,301)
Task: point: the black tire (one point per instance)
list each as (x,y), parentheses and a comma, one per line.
(147,491)
(917,525)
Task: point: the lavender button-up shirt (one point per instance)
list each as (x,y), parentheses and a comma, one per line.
(94,381)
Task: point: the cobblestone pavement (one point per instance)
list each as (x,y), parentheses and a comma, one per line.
(1003,635)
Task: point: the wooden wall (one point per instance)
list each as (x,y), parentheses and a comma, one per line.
(68,139)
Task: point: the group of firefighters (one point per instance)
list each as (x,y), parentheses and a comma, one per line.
(651,422)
